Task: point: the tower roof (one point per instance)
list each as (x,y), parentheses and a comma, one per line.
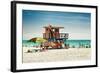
(53,27)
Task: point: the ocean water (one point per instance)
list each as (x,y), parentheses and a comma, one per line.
(79,43)
(25,43)
(71,43)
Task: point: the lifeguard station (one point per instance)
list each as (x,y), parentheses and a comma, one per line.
(52,33)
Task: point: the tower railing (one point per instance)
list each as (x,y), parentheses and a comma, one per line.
(56,36)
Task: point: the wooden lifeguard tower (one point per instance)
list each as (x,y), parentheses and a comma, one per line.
(53,34)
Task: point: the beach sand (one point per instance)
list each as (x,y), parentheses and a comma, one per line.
(54,55)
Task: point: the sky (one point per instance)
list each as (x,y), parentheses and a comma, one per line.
(78,25)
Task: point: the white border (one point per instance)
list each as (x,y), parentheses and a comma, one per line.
(52,64)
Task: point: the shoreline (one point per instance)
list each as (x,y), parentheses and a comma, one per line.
(54,55)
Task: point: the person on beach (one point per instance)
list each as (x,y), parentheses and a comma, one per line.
(46,45)
(41,46)
(62,43)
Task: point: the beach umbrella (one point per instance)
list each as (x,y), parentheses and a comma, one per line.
(40,40)
(37,40)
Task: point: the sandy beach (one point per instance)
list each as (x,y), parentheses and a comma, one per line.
(54,55)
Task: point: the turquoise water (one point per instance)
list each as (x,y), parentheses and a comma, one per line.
(79,43)
(25,43)
(71,43)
